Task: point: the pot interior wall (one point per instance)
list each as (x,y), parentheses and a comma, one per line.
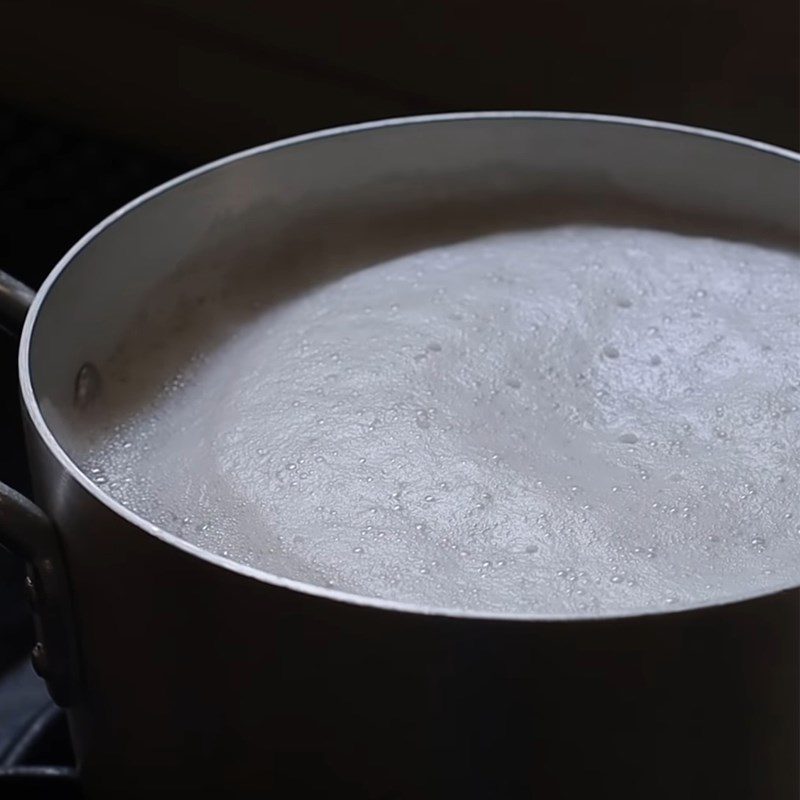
(390,189)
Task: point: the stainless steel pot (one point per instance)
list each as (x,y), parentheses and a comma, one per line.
(182,671)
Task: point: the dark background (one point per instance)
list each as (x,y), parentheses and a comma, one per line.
(100,101)
(198,78)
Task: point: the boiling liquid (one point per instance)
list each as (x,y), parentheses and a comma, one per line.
(574,420)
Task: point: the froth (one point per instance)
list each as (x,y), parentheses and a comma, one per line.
(574,420)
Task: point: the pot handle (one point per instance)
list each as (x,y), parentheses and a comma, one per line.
(28,533)
(15,300)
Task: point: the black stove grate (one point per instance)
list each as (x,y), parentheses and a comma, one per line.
(36,758)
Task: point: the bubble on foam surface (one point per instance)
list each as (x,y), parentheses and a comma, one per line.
(574,420)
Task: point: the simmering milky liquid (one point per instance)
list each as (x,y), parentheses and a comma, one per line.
(573,420)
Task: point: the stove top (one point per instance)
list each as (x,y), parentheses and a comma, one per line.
(36,758)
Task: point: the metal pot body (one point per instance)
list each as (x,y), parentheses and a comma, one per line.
(184,672)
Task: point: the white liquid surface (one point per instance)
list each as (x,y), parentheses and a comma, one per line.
(576,420)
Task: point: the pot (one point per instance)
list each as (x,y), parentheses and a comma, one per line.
(182,671)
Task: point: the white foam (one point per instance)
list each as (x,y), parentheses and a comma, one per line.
(568,420)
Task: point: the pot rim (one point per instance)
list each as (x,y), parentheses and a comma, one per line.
(35,415)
